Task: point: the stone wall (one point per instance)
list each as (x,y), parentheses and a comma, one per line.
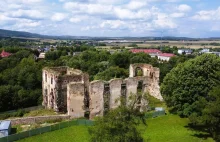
(75,99)
(37,119)
(68,89)
(115,92)
(54,86)
(96,104)
(131,84)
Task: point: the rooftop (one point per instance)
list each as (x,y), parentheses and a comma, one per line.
(145,51)
(166,54)
(5,54)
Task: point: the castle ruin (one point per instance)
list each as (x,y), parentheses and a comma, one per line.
(69,90)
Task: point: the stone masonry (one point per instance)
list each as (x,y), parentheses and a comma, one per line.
(69,90)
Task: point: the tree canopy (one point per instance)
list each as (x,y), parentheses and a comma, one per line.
(190,81)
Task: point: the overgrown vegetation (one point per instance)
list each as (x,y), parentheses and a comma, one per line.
(120,124)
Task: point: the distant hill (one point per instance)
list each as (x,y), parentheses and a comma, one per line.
(9,33)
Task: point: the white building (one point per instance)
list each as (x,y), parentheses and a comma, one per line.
(205,50)
(186,51)
(165,56)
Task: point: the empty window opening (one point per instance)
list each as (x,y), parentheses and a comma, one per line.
(123,93)
(138,71)
(106,98)
(46,77)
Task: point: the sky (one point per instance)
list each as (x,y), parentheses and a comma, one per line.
(113,18)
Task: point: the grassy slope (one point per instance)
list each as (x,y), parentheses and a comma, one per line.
(71,134)
(40,112)
(168,128)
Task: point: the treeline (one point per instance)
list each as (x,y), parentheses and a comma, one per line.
(105,66)
(20,80)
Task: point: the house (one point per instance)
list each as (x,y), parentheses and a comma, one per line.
(76,53)
(5,128)
(165,56)
(185,51)
(5,54)
(151,52)
(216,53)
(204,50)
(42,55)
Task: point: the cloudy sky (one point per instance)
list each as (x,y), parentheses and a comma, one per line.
(191,18)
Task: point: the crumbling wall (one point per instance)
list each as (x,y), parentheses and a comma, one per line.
(75,99)
(150,78)
(115,91)
(153,84)
(71,71)
(67,89)
(96,104)
(54,86)
(131,84)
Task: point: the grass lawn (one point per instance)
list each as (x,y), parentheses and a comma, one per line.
(40,112)
(169,128)
(70,134)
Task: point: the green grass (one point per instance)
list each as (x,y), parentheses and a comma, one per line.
(70,134)
(40,112)
(169,128)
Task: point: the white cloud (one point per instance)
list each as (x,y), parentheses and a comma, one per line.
(177,15)
(184,8)
(27,23)
(75,20)
(59,17)
(111,17)
(32,14)
(112,24)
(92,9)
(207,15)
(133,5)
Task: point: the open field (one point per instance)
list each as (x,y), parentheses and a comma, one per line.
(156,43)
(169,128)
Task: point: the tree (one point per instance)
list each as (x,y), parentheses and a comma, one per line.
(112,72)
(210,117)
(189,82)
(120,59)
(120,124)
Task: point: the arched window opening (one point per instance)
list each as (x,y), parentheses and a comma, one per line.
(138,71)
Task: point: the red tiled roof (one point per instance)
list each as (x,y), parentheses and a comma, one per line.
(166,54)
(5,54)
(145,51)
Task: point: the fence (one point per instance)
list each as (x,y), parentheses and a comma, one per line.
(45,129)
(155,114)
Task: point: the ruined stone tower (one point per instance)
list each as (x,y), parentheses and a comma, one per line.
(66,89)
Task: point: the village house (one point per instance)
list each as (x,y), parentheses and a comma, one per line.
(165,56)
(151,52)
(185,51)
(5,54)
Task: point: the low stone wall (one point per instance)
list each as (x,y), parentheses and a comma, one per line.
(37,119)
